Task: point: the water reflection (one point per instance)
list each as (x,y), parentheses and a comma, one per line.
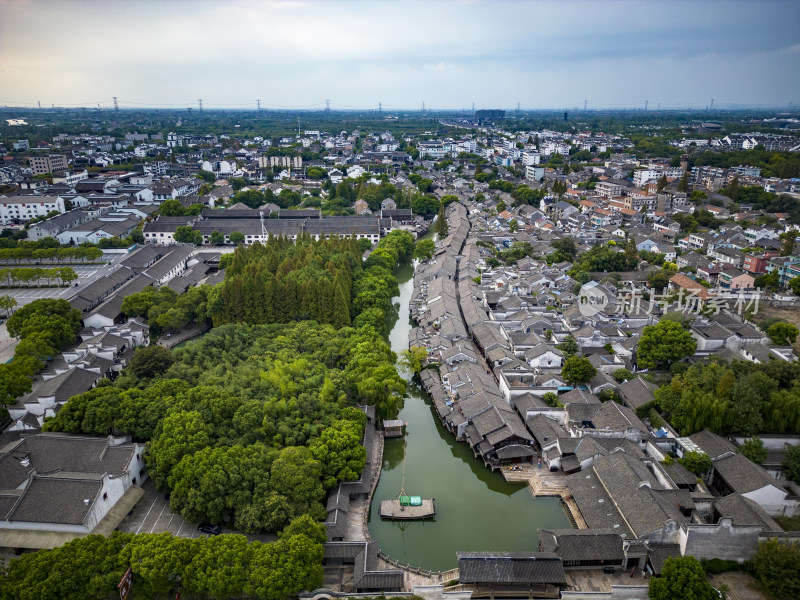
(476,508)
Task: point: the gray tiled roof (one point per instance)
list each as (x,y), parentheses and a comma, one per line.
(582,544)
(64,386)
(510,567)
(743,475)
(711,443)
(637,392)
(55,452)
(594,503)
(745,512)
(57,500)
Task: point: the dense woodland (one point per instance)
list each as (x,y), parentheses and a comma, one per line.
(250,425)
(743,397)
(163,565)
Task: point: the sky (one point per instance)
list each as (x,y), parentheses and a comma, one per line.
(448,54)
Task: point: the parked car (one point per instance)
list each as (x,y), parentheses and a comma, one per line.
(209,529)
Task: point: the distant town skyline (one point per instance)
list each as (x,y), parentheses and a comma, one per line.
(357,54)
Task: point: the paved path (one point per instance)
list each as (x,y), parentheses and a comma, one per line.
(7,345)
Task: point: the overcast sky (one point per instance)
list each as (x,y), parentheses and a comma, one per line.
(446,53)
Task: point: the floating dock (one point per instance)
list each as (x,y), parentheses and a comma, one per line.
(395,510)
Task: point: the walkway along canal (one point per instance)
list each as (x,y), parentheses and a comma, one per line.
(476,509)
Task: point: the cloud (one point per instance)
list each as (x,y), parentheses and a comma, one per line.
(448,52)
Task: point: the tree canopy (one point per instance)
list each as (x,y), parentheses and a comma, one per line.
(163,565)
(681,577)
(663,344)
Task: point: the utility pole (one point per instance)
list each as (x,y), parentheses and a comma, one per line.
(517,105)
(200,104)
(712,104)
(584,105)
(327,106)
(380,108)
(258,103)
(645,106)
(116,107)
(473,108)
(40,103)
(423,107)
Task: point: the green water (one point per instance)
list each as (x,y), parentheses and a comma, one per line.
(475,508)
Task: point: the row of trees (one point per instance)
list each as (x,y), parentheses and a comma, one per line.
(45,327)
(163,565)
(17,276)
(67,254)
(742,397)
(166,311)
(281,281)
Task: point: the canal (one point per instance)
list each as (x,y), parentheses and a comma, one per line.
(475,508)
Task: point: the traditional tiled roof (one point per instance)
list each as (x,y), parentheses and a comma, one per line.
(743,475)
(510,567)
(582,544)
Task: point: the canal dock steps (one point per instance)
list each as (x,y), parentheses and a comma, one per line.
(545,483)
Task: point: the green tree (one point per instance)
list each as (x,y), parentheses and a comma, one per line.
(217,238)
(777,566)
(441,228)
(170,208)
(696,462)
(236,238)
(206,176)
(663,344)
(296,475)
(137,235)
(791,464)
(149,361)
(794,285)
(683,184)
(622,375)
(414,358)
(782,333)
(578,370)
(424,249)
(551,399)
(14,382)
(339,451)
(788,240)
(569,346)
(184,234)
(682,577)
(44,307)
(178,434)
(7,303)
(660,279)
(732,189)
(754,450)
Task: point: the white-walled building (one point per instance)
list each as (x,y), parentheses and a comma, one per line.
(24,208)
(64,485)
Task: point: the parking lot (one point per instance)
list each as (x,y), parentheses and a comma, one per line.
(153,515)
(87,274)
